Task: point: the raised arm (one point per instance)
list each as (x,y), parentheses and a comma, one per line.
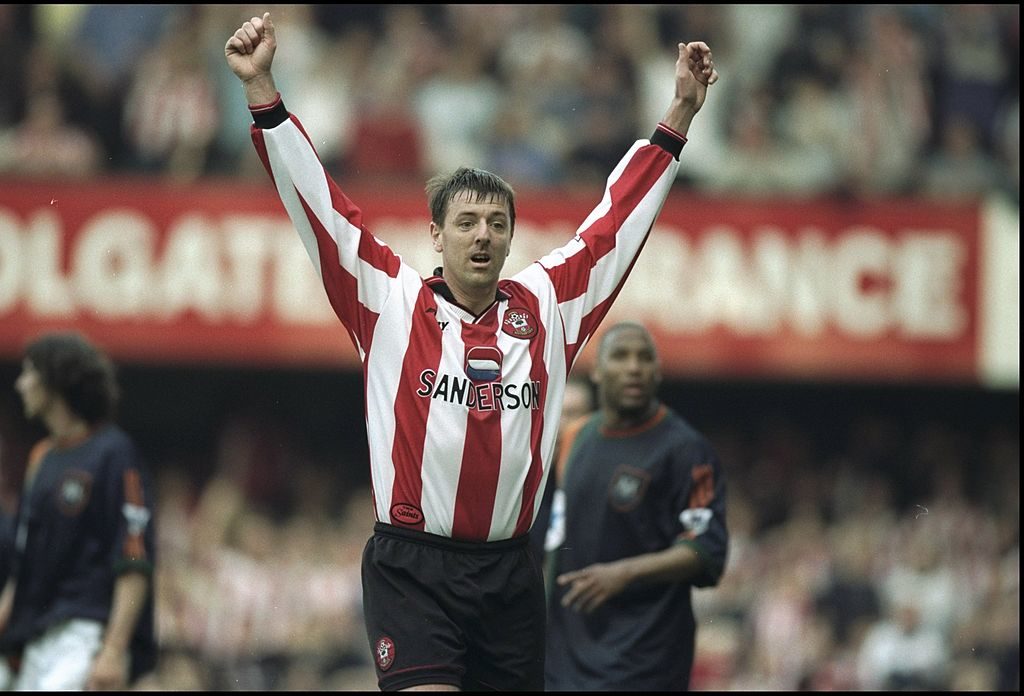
(357,271)
(587,273)
(250,55)
(695,70)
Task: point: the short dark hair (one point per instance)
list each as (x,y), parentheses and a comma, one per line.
(441,189)
(602,347)
(77,371)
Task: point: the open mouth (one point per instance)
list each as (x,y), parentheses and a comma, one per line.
(480,258)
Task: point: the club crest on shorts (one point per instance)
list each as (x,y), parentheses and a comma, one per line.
(627,487)
(384,653)
(519,323)
(483,363)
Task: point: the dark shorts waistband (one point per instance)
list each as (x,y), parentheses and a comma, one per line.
(447,543)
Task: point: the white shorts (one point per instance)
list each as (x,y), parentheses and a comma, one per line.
(61,659)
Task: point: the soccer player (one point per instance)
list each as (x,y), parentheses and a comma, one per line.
(577,402)
(464,376)
(642,521)
(77,610)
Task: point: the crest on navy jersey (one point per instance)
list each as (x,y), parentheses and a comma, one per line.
(483,364)
(73,492)
(519,323)
(384,653)
(627,487)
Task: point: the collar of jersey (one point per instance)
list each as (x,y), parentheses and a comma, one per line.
(438,285)
(658,416)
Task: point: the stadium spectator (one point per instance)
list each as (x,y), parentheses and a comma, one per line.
(900,652)
(457,108)
(54,139)
(171,111)
(960,169)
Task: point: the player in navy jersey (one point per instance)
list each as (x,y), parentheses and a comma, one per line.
(77,610)
(638,519)
(464,375)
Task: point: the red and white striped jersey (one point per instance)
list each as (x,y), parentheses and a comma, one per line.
(462,410)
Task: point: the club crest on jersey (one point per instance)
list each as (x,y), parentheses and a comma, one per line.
(627,487)
(519,323)
(73,492)
(384,653)
(483,364)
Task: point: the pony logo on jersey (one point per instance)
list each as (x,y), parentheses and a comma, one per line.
(384,653)
(519,323)
(483,364)
(73,492)
(627,487)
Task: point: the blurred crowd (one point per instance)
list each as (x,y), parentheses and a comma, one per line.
(884,558)
(863,101)
(873,547)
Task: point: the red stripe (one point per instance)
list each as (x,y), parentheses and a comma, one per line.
(481,454)
(342,287)
(340,284)
(703,490)
(134,548)
(423,351)
(668,130)
(538,373)
(377,255)
(256,108)
(261,149)
(591,320)
(643,170)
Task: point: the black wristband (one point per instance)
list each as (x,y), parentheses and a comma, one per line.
(668,140)
(269,115)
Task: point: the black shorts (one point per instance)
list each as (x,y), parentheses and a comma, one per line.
(441,611)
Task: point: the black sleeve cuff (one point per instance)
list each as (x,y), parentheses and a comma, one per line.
(269,115)
(668,140)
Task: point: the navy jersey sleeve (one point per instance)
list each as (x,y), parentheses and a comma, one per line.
(699,503)
(130,507)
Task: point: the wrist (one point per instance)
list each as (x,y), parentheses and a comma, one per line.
(679,116)
(260,90)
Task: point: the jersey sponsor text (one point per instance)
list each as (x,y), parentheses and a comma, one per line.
(488,396)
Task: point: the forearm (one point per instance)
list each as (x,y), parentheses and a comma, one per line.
(260,89)
(130,592)
(678,563)
(679,116)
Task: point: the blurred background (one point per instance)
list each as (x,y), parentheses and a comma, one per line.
(833,283)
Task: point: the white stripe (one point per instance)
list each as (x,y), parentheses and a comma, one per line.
(445,442)
(279,154)
(387,354)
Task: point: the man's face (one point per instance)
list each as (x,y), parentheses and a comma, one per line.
(628,372)
(474,241)
(34,394)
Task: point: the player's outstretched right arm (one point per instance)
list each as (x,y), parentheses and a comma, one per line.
(356,269)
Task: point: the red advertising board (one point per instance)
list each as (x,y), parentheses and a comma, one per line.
(214,273)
